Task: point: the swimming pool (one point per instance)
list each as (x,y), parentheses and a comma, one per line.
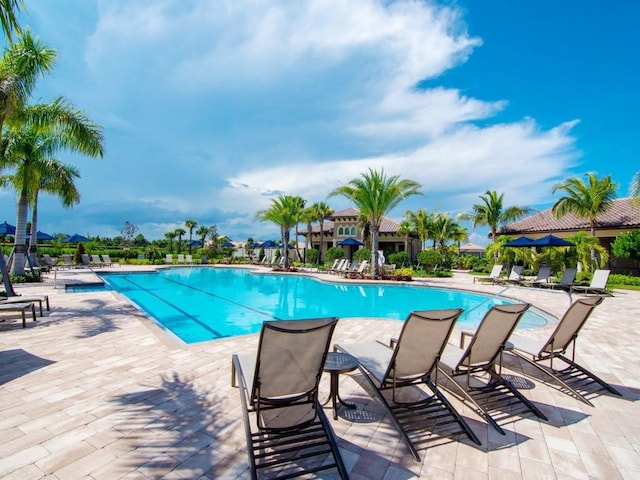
(200,304)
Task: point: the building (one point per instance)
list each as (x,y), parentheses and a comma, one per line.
(345,224)
(622,217)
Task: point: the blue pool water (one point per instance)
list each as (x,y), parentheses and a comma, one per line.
(199,304)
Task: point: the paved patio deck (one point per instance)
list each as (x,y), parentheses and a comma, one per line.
(95,390)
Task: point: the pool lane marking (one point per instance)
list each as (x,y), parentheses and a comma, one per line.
(259,312)
(185,313)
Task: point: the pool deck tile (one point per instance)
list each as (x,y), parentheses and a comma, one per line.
(95,390)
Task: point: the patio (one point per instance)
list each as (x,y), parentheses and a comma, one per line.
(95,390)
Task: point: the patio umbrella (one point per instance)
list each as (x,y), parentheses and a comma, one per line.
(268,244)
(227,244)
(75,238)
(350,242)
(195,243)
(520,242)
(41,236)
(6,229)
(551,241)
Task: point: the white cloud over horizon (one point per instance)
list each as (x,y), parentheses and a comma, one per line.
(209,110)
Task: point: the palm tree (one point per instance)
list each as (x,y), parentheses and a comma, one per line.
(375,194)
(202,232)
(422,222)
(406,229)
(583,249)
(170,236)
(9,10)
(26,147)
(307,217)
(634,188)
(190,224)
(585,199)
(302,202)
(492,213)
(285,212)
(321,212)
(179,232)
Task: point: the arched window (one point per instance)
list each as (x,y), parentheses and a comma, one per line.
(340,231)
(354,231)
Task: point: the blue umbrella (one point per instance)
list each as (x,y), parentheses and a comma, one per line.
(41,236)
(350,241)
(227,244)
(6,229)
(195,243)
(551,241)
(268,244)
(520,242)
(75,238)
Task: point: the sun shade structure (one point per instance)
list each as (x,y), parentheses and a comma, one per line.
(350,242)
(284,422)
(412,361)
(41,236)
(520,242)
(484,385)
(75,238)
(6,229)
(572,377)
(551,241)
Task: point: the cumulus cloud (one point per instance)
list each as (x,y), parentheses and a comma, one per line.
(212,109)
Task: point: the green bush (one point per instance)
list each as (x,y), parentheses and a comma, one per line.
(400,259)
(333,253)
(312,255)
(362,254)
(429,258)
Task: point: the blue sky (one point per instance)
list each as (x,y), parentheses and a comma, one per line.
(210,109)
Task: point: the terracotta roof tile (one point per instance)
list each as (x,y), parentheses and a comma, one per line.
(622,214)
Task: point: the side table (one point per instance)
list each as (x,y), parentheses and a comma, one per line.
(337,363)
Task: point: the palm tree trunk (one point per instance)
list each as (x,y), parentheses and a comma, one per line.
(375,268)
(6,281)
(285,246)
(321,241)
(33,241)
(17,268)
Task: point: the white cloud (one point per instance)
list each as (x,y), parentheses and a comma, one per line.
(211,108)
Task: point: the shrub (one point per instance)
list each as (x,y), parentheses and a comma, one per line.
(333,254)
(429,258)
(312,255)
(77,256)
(362,254)
(400,259)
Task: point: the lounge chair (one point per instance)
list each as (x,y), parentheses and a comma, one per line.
(86,261)
(39,299)
(543,276)
(339,266)
(413,362)
(95,260)
(21,308)
(168,259)
(188,259)
(180,258)
(566,281)
(106,261)
(597,286)
(67,261)
(535,351)
(49,262)
(485,386)
(493,277)
(515,276)
(285,424)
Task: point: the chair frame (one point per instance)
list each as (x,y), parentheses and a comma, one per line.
(549,350)
(488,394)
(272,448)
(433,404)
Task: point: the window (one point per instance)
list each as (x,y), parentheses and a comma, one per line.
(354,231)
(341,231)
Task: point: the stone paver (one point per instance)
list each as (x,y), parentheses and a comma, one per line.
(96,390)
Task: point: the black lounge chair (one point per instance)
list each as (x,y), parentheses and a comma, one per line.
(412,361)
(287,431)
(485,387)
(534,351)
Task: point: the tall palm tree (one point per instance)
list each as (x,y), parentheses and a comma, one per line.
(25,146)
(585,199)
(302,202)
(634,188)
(9,11)
(492,213)
(406,230)
(422,222)
(322,211)
(170,236)
(202,232)
(190,224)
(180,232)
(375,194)
(285,212)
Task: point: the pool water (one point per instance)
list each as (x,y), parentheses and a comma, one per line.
(200,304)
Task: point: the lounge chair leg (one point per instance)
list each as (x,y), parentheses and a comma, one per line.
(591,375)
